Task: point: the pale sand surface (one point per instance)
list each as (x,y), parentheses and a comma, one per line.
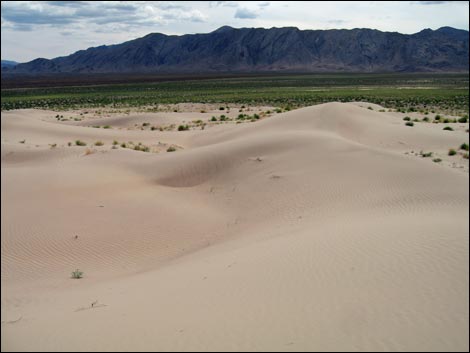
(315,229)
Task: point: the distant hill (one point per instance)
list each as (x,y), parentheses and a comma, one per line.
(8,63)
(276,49)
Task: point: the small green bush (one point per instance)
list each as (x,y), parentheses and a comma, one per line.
(448,128)
(437,160)
(106,127)
(80,143)
(406,118)
(77,274)
(213,118)
(427,154)
(464,146)
(115,143)
(463,120)
(171,149)
(183,127)
(452,152)
(99,143)
(410,123)
(437,117)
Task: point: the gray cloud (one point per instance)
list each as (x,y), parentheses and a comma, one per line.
(245,13)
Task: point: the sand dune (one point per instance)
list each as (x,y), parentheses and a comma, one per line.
(315,229)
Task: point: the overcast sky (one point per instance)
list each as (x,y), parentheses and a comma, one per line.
(47,29)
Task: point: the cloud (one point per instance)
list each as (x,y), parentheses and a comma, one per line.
(438,2)
(245,13)
(264,4)
(337,22)
(223,3)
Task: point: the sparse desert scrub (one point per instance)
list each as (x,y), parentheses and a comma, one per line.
(426,155)
(448,128)
(22,141)
(80,143)
(106,127)
(437,160)
(171,149)
(99,143)
(464,146)
(77,274)
(452,152)
(463,119)
(115,143)
(183,127)
(410,123)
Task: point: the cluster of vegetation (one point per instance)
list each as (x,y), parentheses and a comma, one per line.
(425,92)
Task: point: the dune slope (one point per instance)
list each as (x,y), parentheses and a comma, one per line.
(310,230)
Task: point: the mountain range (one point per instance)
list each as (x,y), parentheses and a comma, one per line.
(284,49)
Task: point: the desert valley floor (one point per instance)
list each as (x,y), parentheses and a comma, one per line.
(328,227)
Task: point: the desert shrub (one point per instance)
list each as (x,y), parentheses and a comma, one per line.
(465,155)
(98,143)
(463,120)
(464,146)
(183,127)
(221,108)
(437,117)
(77,274)
(22,141)
(96,126)
(241,116)
(426,119)
(54,145)
(410,123)
(123,145)
(80,143)
(69,144)
(256,116)
(448,128)
(370,108)
(115,143)
(145,124)
(452,152)
(213,118)
(106,127)
(153,128)
(171,149)
(437,160)
(446,121)
(406,118)
(427,154)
